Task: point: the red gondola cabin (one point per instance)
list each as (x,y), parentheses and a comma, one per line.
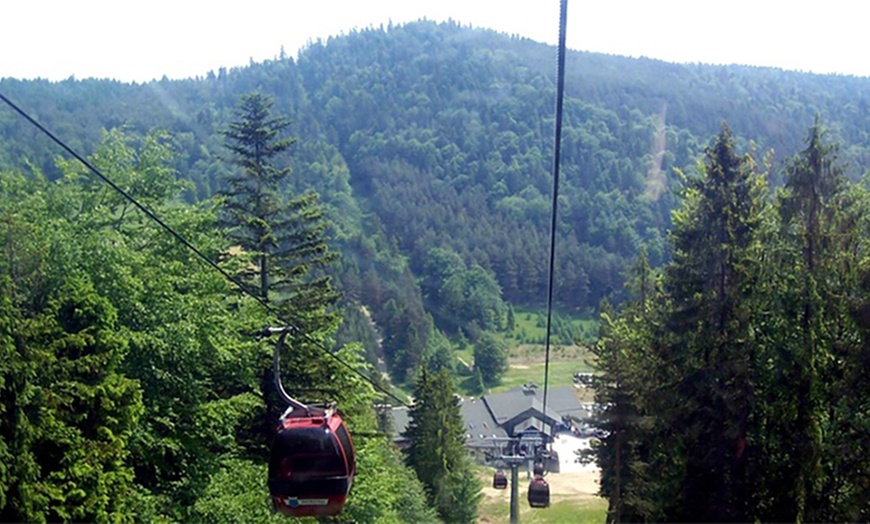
(499,480)
(312,465)
(539,493)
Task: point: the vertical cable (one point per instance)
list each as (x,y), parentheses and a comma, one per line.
(557,147)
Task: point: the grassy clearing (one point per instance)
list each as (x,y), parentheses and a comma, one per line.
(526,364)
(561,374)
(573,508)
(531,327)
(562,509)
(526,356)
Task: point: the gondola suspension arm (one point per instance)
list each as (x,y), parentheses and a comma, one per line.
(282,333)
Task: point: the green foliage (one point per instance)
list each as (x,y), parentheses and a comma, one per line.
(236,493)
(459,163)
(490,358)
(109,325)
(439,353)
(478,383)
(439,141)
(710,345)
(822,239)
(68,409)
(436,436)
(357,326)
(459,496)
(385,490)
(510,321)
(728,391)
(626,361)
(460,295)
(286,236)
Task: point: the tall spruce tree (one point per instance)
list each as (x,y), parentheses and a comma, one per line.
(285,235)
(626,362)
(436,434)
(740,392)
(808,217)
(859,433)
(823,227)
(711,348)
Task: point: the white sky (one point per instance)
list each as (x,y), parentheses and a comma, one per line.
(143,40)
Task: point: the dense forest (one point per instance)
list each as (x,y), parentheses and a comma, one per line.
(425,149)
(734,382)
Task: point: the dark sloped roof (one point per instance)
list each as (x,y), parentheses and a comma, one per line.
(485,416)
(479,424)
(561,402)
(530,422)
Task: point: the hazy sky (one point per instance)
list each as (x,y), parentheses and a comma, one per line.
(144,40)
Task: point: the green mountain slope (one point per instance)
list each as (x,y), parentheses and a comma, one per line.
(437,135)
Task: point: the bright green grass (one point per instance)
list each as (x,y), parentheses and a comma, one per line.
(562,509)
(527,326)
(561,374)
(527,365)
(465,355)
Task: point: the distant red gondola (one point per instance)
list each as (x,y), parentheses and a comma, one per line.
(499,480)
(539,493)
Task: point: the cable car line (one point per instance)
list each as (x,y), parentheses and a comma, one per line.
(186,243)
(516,450)
(557,147)
(538,494)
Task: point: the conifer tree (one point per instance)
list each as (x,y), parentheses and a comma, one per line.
(285,235)
(823,244)
(710,348)
(813,182)
(436,434)
(626,361)
(511,322)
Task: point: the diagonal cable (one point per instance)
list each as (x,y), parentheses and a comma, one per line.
(193,248)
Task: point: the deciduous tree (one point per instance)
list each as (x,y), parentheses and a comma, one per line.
(490,358)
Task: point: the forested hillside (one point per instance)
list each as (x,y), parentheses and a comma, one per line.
(437,136)
(428,148)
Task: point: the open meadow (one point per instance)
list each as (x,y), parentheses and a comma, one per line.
(573,498)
